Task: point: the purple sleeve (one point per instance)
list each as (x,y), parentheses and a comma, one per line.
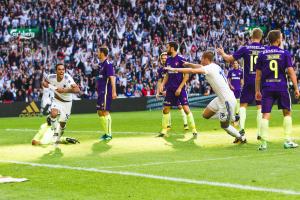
(289,62)
(239,53)
(181,61)
(259,63)
(110,70)
(229,74)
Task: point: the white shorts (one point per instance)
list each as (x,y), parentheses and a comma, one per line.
(225,109)
(46,101)
(64,109)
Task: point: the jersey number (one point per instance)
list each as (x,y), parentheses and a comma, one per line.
(274,67)
(253,59)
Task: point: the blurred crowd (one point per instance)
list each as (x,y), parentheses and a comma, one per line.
(135,31)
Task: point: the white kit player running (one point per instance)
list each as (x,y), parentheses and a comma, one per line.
(63,86)
(223,106)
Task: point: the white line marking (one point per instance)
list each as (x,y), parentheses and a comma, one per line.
(166,178)
(73,131)
(189,161)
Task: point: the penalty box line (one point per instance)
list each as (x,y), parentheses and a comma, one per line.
(157,177)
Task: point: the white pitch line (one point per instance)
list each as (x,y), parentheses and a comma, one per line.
(166,178)
(73,131)
(188,161)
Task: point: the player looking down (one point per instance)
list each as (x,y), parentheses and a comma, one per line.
(161,74)
(272,67)
(175,90)
(223,105)
(249,54)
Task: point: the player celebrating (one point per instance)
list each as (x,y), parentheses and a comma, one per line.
(224,104)
(63,86)
(161,74)
(175,90)
(272,68)
(106,89)
(236,82)
(249,53)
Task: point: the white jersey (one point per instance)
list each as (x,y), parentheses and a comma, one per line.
(66,82)
(47,93)
(217,80)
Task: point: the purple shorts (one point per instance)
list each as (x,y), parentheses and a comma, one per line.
(248,95)
(237,93)
(269,97)
(104,101)
(172,100)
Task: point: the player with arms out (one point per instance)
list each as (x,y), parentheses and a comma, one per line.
(63,86)
(223,106)
(175,90)
(249,53)
(236,82)
(106,89)
(161,74)
(272,67)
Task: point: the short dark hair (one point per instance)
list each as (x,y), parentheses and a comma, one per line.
(104,50)
(209,55)
(174,45)
(58,65)
(273,36)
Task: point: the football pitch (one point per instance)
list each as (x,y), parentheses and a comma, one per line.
(136,164)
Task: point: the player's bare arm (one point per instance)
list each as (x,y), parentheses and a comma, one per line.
(158,87)
(165,80)
(113,86)
(187,70)
(292,75)
(182,84)
(257,85)
(226,57)
(74,89)
(192,65)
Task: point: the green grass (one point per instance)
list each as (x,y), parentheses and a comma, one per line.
(134,148)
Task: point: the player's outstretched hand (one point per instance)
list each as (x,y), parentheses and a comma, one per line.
(220,50)
(297,94)
(178,91)
(258,96)
(60,90)
(170,69)
(185,64)
(114,95)
(157,95)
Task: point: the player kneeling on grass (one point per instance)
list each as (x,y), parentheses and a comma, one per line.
(63,86)
(106,89)
(45,136)
(224,104)
(272,67)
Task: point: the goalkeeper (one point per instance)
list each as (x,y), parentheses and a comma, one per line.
(45,136)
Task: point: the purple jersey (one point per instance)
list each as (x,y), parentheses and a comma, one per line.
(175,78)
(273,63)
(161,73)
(105,70)
(235,76)
(249,53)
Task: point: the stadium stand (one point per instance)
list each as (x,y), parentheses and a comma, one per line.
(35,35)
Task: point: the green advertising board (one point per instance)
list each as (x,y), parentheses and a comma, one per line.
(25,33)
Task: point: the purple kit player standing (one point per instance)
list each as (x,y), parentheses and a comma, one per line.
(106,89)
(236,82)
(175,90)
(249,53)
(272,67)
(161,73)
